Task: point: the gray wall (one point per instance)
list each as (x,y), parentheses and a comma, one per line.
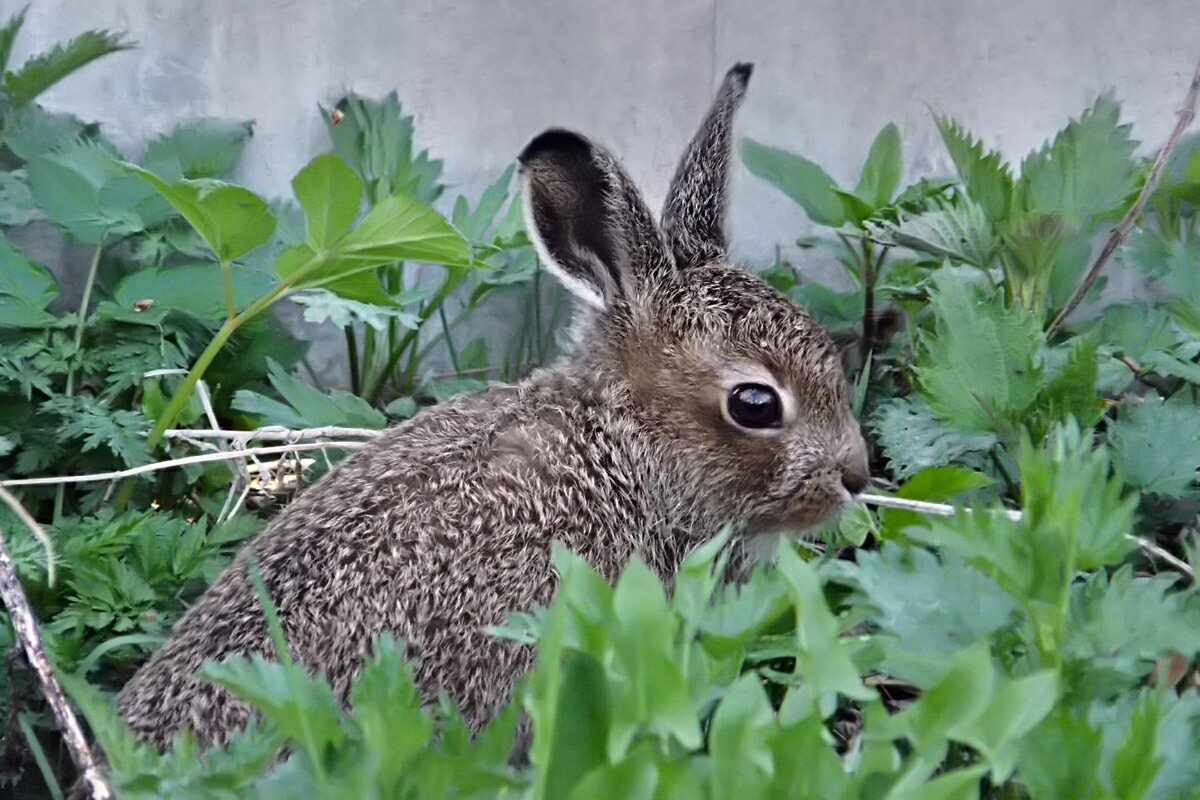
(482,76)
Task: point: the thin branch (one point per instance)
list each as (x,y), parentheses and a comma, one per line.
(273,433)
(203,458)
(1186,113)
(943,510)
(30,637)
(31,523)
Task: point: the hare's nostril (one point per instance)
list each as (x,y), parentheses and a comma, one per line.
(854,481)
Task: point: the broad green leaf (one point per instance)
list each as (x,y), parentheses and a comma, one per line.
(79,186)
(41,72)
(881,172)
(742,763)
(1086,171)
(26,289)
(937,485)
(331,195)
(36,131)
(16,201)
(579,740)
(1156,444)
(798,178)
(987,178)
(836,311)
(402,229)
(387,708)
(194,289)
(208,148)
(979,370)
(231,220)
(633,778)
(1070,391)
(305,406)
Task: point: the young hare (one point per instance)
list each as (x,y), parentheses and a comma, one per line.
(696,396)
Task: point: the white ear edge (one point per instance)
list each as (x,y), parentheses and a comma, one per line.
(575,286)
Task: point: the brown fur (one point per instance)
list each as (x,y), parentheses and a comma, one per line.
(444,524)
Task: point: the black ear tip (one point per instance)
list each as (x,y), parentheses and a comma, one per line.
(554,140)
(741,71)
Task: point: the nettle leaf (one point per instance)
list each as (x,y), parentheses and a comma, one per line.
(43,71)
(959,231)
(979,370)
(305,406)
(797,177)
(1070,391)
(16,201)
(208,148)
(231,220)
(26,289)
(1119,628)
(1086,171)
(1156,444)
(914,440)
(881,173)
(194,289)
(321,305)
(930,606)
(79,186)
(330,195)
(987,178)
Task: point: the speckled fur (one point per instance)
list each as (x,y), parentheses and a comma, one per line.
(443,525)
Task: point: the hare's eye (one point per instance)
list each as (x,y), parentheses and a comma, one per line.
(753,405)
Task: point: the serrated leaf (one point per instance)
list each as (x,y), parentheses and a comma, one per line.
(36,131)
(979,370)
(1086,171)
(8,34)
(797,177)
(914,440)
(321,305)
(231,220)
(882,169)
(305,406)
(1156,444)
(43,71)
(987,178)
(331,195)
(208,148)
(401,229)
(16,201)
(958,231)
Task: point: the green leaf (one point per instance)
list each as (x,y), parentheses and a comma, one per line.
(41,72)
(742,763)
(402,229)
(1156,444)
(958,231)
(798,178)
(26,289)
(1070,391)
(322,305)
(231,220)
(578,745)
(836,311)
(36,131)
(331,195)
(979,370)
(936,485)
(79,187)
(16,201)
(387,708)
(194,289)
(930,607)
(8,34)
(307,407)
(208,148)
(1086,171)
(914,440)
(987,178)
(881,172)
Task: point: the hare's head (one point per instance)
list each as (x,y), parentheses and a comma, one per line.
(744,385)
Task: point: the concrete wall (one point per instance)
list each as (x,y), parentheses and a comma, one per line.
(482,76)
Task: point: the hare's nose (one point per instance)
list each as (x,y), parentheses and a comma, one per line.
(854,480)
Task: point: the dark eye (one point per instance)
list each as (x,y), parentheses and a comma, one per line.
(753,405)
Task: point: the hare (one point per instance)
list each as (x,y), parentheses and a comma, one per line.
(695,397)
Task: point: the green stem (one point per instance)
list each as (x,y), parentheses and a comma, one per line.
(9,118)
(449,341)
(227,276)
(451,283)
(352,357)
(80,324)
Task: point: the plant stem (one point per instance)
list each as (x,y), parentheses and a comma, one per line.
(352,358)
(1186,113)
(80,324)
(227,277)
(868,320)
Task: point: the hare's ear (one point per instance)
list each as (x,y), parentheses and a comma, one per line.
(694,213)
(587,220)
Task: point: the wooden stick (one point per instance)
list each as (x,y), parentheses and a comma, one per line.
(1117,237)
(30,637)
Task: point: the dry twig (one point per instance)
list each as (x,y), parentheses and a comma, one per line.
(1186,113)
(30,637)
